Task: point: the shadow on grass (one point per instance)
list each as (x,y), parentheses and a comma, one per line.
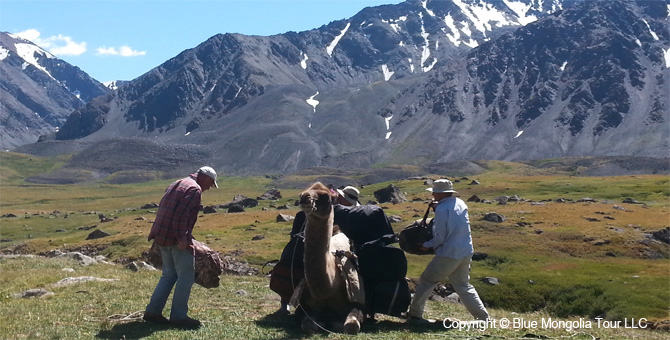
(288,324)
(132,330)
(400,326)
(284,323)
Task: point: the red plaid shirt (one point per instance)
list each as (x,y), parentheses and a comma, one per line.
(177,213)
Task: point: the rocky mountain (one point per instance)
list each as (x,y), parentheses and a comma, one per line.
(420,82)
(590,80)
(37,91)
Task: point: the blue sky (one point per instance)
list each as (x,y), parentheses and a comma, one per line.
(123,39)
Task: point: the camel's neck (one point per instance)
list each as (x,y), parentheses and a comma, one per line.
(320,269)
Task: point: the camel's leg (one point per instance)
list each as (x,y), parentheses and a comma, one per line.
(352,325)
(309,327)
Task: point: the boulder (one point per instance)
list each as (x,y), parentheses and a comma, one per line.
(662,235)
(474,198)
(209,210)
(390,194)
(235,208)
(478,256)
(272,194)
(284,218)
(474,182)
(96,234)
(242,201)
(149,206)
(630,201)
(491,280)
(494,217)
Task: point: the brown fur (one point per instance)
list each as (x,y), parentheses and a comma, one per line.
(324,299)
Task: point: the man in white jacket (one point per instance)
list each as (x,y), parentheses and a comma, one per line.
(452,243)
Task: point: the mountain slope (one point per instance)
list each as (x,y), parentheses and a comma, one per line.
(591,80)
(37,91)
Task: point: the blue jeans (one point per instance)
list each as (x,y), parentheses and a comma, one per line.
(178,272)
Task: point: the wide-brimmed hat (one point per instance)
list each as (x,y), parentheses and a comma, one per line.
(350,194)
(206,170)
(442,186)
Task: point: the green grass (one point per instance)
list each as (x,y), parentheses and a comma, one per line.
(554,245)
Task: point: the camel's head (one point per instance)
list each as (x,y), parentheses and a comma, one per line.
(317,199)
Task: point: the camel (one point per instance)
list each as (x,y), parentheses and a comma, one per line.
(324,301)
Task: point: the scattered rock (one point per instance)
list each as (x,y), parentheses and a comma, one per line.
(84,260)
(618,207)
(242,201)
(478,256)
(137,265)
(630,201)
(97,234)
(33,293)
(662,235)
(234,266)
(601,242)
(587,199)
(395,219)
(149,206)
(538,231)
(284,218)
(8,215)
(284,207)
(390,194)
(494,217)
(209,210)
(235,208)
(591,219)
(241,292)
(514,198)
(257,237)
(141,218)
(474,198)
(474,182)
(272,194)
(491,280)
(74,280)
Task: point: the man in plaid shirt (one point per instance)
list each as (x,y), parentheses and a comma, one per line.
(172,232)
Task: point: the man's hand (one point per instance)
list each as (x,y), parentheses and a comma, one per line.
(433,204)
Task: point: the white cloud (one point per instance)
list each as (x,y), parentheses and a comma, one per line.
(123,51)
(59,45)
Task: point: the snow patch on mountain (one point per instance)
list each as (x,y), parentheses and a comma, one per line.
(4,53)
(521,9)
(424,3)
(303,62)
(666,54)
(387,73)
(313,102)
(653,34)
(30,54)
(333,43)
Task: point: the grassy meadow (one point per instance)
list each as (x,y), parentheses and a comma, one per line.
(561,261)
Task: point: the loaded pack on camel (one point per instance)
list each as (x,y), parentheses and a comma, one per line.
(340,287)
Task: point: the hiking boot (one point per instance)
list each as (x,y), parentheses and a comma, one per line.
(186,323)
(155,318)
(414,321)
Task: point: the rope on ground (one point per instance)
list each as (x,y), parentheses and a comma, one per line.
(134,316)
